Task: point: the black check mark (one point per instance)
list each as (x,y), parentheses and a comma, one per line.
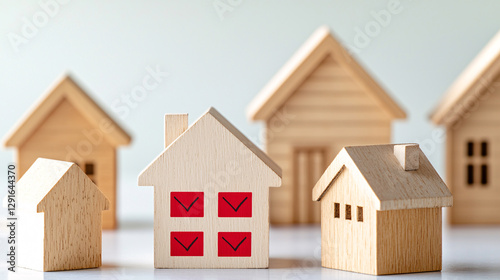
(237,208)
(232,245)
(189,208)
(189,247)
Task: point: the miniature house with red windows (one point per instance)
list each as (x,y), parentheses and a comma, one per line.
(211,196)
(469,111)
(381,210)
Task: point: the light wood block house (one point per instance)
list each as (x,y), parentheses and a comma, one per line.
(59,214)
(211,196)
(66,124)
(320,101)
(381,210)
(470,112)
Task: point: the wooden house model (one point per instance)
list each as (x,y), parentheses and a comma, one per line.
(381,210)
(66,124)
(320,101)
(470,112)
(59,214)
(211,196)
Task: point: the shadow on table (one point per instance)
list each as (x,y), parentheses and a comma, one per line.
(136,224)
(109,266)
(468,268)
(113,266)
(282,263)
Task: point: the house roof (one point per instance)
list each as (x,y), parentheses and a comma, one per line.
(470,85)
(321,44)
(42,177)
(65,88)
(243,139)
(212,112)
(393,188)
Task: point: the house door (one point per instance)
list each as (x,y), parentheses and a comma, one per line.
(308,164)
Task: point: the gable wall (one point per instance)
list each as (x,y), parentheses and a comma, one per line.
(72,230)
(329,110)
(476,204)
(67,135)
(348,244)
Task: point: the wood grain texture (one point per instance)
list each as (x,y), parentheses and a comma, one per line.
(59,218)
(309,165)
(348,244)
(408,156)
(302,203)
(317,167)
(66,124)
(175,125)
(321,98)
(331,125)
(211,157)
(409,241)
(65,88)
(361,234)
(469,111)
(422,188)
(292,75)
(476,203)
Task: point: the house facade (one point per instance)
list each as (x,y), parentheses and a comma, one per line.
(211,196)
(66,124)
(60,218)
(379,217)
(320,101)
(469,113)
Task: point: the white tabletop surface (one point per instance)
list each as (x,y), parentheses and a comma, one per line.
(468,253)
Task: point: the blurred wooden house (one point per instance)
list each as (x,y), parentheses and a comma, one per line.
(66,124)
(320,101)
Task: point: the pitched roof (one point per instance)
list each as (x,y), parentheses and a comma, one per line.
(233,131)
(243,139)
(394,188)
(42,177)
(321,44)
(65,88)
(470,85)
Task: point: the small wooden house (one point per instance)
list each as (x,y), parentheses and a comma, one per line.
(320,101)
(470,113)
(59,217)
(381,210)
(66,124)
(211,196)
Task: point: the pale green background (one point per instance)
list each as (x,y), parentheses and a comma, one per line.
(108,45)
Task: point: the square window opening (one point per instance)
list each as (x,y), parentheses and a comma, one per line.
(89,168)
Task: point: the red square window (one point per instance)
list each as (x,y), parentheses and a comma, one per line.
(186,204)
(186,243)
(235,204)
(235,244)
